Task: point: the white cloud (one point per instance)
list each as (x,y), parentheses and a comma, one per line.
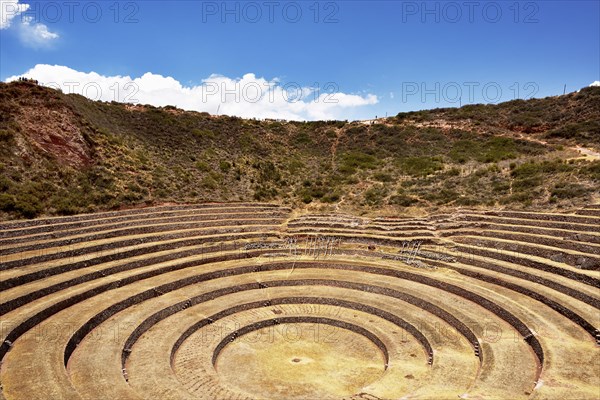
(596,83)
(248,96)
(30,32)
(35,34)
(9,9)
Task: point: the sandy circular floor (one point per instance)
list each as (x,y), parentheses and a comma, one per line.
(300,361)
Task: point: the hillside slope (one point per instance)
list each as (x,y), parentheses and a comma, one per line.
(63,154)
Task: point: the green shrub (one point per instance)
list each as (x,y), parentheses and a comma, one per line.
(130,196)
(202,166)
(467,201)
(262,193)
(452,172)
(585,130)
(500,186)
(463,151)
(303,138)
(526,183)
(7,202)
(498,149)
(203,134)
(64,207)
(443,196)
(209,183)
(315,190)
(383,177)
(531,169)
(375,195)
(526,170)
(224,166)
(28,205)
(5,184)
(346,170)
(527,119)
(357,130)
(564,190)
(592,170)
(353,160)
(420,166)
(490,150)
(5,135)
(295,166)
(404,200)
(306,198)
(134,187)
(524,198)
(162,193)
(268,172)
(331,197)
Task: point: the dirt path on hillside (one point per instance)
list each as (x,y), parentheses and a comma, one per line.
(339,203)
(534,140)
(587,153)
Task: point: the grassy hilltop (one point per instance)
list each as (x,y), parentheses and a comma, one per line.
(64,154)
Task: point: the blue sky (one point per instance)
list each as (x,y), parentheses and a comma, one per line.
(380,56)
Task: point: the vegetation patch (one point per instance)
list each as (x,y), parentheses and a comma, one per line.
(420,166)
(146,155)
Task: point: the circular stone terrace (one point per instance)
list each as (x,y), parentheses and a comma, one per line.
(254,301)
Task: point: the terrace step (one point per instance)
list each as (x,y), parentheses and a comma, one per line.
(448,313)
